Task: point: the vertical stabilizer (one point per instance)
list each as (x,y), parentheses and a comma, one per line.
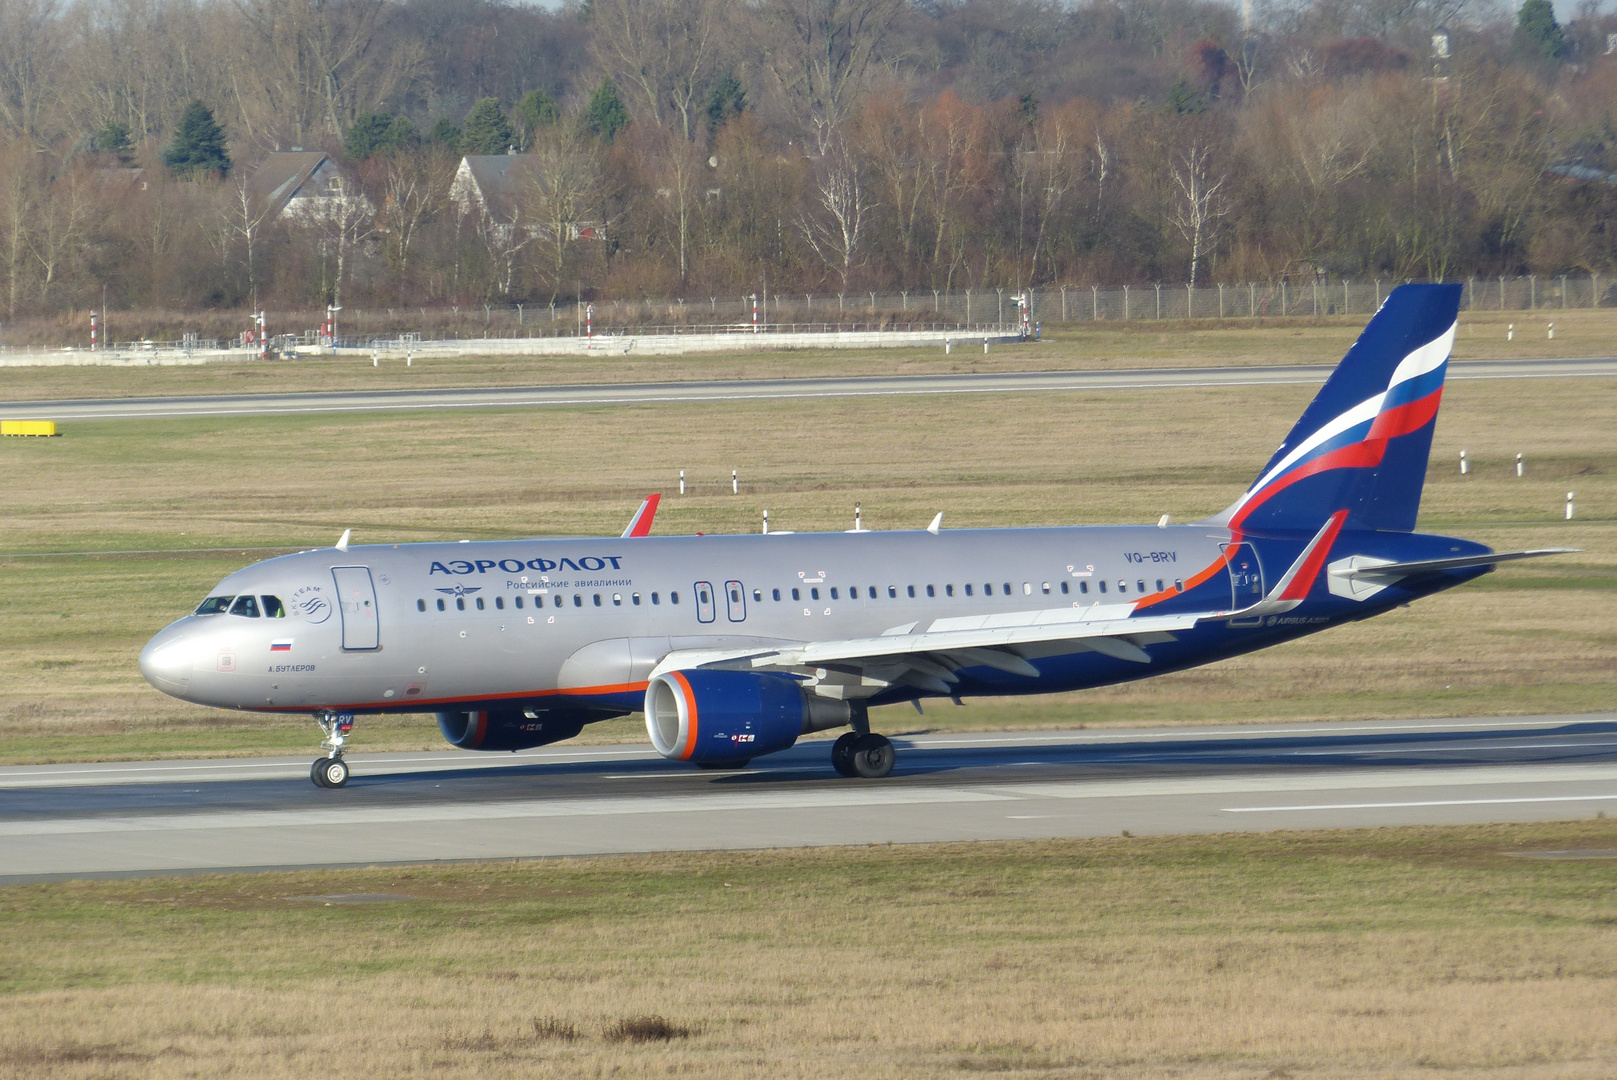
(1362,444)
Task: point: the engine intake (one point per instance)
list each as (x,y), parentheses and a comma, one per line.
(714,715)
(508,729)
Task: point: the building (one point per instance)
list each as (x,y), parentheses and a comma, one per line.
(494,188)
(302,186)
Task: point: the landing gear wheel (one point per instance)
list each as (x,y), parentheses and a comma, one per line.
(333,772)
(317,772)
(842,752)
(873,756)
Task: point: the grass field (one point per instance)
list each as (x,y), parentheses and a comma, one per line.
(1458,952)
(1088,346)
(201,497)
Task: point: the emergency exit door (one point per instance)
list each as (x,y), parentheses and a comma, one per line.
(356,601)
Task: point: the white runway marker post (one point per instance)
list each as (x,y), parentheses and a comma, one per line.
(682,481)
(735,483)
(1465,466)
(1552,332)
(1510,332)
(1569,506)
(1520,466)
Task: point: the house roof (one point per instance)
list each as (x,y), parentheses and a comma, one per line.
(500,180)
(279,177)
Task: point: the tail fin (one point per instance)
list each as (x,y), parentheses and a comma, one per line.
(1362,444)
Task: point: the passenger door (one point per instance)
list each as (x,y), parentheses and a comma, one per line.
(735,596)
(1246,580)
(704,601)
(356,601)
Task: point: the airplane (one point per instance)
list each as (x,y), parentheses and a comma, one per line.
(736,646)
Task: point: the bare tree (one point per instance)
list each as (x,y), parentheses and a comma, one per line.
(241,217)
(30,46)
(661,52)
(834,223)
(345,219)
(820,54)
(1199,207)
(562,193)
(19,196)
(61,215)
(415,187)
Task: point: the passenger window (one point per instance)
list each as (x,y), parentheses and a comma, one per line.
(421,605)
(245,606)
(775,593)
(1007,588)
(1122,586)
(460,603)
(479,603)
(655,599)
(758,594)
(617,599)
(214,605)
(797,594)
(1141,584)
(597,599)
(578,599)
(634,598)
(440,603)
(968,589)
(1045,588)
(1102,586)
(518,602)
(499,602)
(1159,584)
(873,591)
(673,598)
(948,590)
(834,593)
(273,608)
(558,600)
(892,592)
(814,594)
(911,591)
(931,591)
(1178,585)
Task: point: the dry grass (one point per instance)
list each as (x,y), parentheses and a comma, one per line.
(1074,346)
(1383,953)
(1533,638)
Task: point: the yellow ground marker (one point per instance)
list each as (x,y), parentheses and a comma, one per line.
(27,427)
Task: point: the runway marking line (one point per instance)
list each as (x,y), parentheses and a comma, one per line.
(1418,803)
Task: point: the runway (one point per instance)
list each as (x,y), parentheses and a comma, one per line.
(141,818)
(749,390)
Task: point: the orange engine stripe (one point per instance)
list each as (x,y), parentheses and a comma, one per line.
(690,707)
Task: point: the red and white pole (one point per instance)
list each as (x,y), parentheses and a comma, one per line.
(589,321)
(755,313)
(92,332)
(263,340)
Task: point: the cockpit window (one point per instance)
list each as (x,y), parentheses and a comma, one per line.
(245,605)
(273,608)
(214,605)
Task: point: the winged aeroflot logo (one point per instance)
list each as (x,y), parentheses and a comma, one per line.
(461,590)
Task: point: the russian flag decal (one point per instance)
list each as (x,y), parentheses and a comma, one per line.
(281,646)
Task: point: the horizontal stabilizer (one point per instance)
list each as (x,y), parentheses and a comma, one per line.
(1429,566)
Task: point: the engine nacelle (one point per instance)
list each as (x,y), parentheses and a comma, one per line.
(712,715)
(507,729)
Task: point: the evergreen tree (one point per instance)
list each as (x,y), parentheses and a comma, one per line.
(377,133)
(1535,23)
(445,134)
(538,110)
(1184,99)
(726,100)
(486,130)
(606,115)
(199,144)
(113,138)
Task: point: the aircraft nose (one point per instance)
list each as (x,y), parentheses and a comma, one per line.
(166,660)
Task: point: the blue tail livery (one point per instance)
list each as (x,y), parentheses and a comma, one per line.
(735,646)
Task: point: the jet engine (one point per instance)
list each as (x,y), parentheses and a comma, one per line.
(508,729)
(717,717)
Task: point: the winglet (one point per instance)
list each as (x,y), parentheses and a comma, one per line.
(640,524)
(937,523)
(342,541)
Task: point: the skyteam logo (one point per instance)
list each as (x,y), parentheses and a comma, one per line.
(461,590)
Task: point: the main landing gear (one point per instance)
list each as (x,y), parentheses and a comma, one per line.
(332,771)
(861,752)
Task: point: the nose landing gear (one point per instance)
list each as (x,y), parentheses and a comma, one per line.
(332,771)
